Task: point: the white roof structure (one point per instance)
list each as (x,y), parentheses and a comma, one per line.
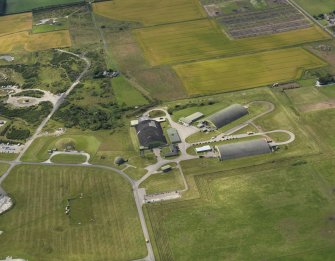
(203,149)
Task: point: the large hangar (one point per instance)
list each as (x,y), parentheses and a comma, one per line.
(243,149)
(227,115)
(150,134)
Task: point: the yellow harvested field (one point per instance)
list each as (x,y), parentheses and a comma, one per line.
(203,39)
(25,41)
(247,71)
(150,12)
(15,23)
(44,41)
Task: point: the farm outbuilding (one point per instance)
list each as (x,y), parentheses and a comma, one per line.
(227,115)
(173,135)
(243,149)
(150,134)
(191,118)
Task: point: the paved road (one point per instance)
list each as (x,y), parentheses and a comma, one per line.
(57,104)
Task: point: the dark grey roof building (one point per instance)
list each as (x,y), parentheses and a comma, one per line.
(227,115)
(150,134)
(243,149)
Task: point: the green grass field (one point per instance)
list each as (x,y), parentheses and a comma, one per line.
(127,94)
(236,73)
(203,39)
(38,229)
(322,123)
(17,6)
(160,82)
(316,7)
(164,182)
(150,12)
(39,149)
(68,159)
(259,214)
(3,168)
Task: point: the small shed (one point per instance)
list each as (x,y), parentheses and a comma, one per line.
(166,168)
(203,149)
(133,123)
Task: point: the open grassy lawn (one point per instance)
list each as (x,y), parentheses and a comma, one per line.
(203,39)
(236,73)
(3,168)
(164,182)
(8,156)
(126,93)
(15,23)
(68,159)
(18,6)
(43,28)
(309,98)
(317,7)
(24,41)
(160,82)
(102,225)
(150,12)
(250,214)
(81,142)
(123,143)
(322,123)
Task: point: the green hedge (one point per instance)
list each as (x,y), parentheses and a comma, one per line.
(2,7)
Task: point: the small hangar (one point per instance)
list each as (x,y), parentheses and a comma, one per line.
(150,133)
(243,149)
(227,115)
(187,121)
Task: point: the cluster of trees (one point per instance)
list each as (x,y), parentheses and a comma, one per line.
(105,116)
(3,4)
(73,66)
(326,79)
(29,73)
(322,16)
(17,134)
(32,115)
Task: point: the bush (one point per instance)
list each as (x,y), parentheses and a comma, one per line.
(2,7)
(105,116)
(18,134)
(32,114)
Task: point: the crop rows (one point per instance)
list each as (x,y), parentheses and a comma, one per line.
(246,71)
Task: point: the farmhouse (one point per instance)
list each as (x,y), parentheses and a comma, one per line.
(150,133)
(227,115)
(191,118)
(173,135)
(243,149)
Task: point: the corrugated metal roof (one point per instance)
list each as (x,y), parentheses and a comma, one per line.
(227,115)
(192,118)
(173,135)
(243,149)
(203,148)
